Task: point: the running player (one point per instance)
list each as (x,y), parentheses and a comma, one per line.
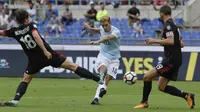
(108,57)
(168,69)
(39,53)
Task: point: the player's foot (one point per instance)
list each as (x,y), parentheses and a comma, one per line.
(142,105)
(102,92)
(95,101)
(190,99)
(12,103)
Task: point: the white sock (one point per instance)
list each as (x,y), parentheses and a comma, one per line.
(97,92)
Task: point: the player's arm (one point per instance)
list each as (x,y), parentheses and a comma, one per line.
(168,41)
(95,30)
(40,43)
(2,33)
(106,38)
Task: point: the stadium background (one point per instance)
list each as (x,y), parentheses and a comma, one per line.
(134,57)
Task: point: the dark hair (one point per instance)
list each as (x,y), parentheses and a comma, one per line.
(166,10)
(133,2)
(101,3)
(21,15)
(53,12)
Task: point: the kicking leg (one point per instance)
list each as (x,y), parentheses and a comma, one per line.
(162,86)
(21,90)
(80,71)
(101,90)
(148,77)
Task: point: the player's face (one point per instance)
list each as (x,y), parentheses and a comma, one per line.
(106,26)
(161,15)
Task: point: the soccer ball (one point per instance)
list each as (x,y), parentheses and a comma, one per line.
(130,78)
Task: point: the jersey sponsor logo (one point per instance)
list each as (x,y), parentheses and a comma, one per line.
(169,34)
(4,63)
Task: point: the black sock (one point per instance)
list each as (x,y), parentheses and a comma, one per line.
(146,91)
(82,72)
(174,91)
(21,90)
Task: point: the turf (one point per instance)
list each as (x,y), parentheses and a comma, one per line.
(69,95)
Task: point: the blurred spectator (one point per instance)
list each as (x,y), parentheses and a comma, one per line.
(31,11)
(3,20)
(102,12)
(91,14)
(5,7)
(1,8)
(146,2)
(49,12)
(88,32)
(137,28)
(67,17)
(54,25)
(43,2)
(133,13)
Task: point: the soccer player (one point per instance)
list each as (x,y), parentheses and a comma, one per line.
(108,57)
(39,53)
(168,69)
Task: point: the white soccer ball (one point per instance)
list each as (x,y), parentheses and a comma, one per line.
(130,78)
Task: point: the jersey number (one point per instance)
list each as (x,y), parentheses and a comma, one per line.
(28,41)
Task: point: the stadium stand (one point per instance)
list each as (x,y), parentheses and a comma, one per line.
(72,33)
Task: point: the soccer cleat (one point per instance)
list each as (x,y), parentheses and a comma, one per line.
(95,101)
(102,92)
(9,104)
(190,99)
(142,105)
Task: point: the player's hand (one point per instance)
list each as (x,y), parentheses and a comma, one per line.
(87,26)
(48,54)
(149,41)
(94,42)
(182,44)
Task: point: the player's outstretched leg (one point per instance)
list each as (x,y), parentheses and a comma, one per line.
(147,88)
(21,90)
(101,90)
(189,97)
(82,72)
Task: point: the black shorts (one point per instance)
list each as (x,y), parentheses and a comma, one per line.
(35,66)
(168,70)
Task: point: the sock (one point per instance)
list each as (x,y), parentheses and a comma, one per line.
(82,72)
(97,92)
(21,90)
(146,91)
(174,91)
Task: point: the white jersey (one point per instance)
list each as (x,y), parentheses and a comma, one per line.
(110,49)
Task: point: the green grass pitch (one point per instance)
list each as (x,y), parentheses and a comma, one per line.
(73,95)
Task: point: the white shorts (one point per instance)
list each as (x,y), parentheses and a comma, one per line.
(112,65)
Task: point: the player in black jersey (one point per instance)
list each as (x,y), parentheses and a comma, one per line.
(168,69)
(39,53)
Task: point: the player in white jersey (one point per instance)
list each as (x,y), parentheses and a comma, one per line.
(108,57)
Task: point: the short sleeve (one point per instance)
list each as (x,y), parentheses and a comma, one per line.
(168,30)
(33,27)
(116,33)
(10,32)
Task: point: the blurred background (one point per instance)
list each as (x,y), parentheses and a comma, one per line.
(60,21)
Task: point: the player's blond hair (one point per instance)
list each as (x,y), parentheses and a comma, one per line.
(104,19)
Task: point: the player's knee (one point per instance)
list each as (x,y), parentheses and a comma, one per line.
(146,78)
(69,65)
(161,87)
(27,78)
